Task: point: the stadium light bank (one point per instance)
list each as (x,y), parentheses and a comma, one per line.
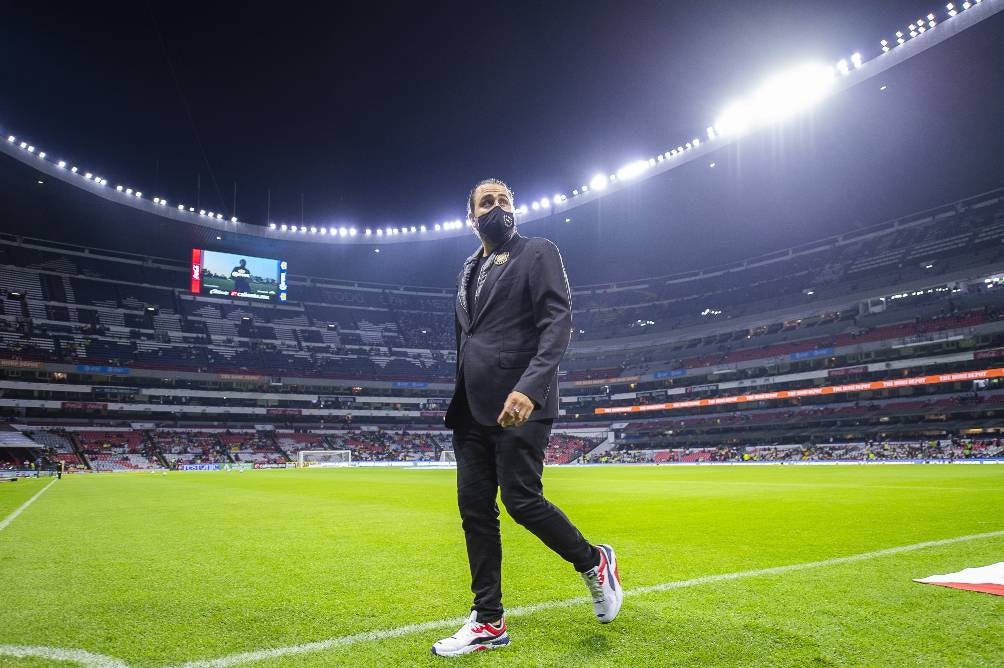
(779,97)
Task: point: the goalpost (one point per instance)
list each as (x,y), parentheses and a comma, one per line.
(446,457)
(323,458)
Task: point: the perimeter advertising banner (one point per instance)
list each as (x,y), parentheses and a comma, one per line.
(239,276)
(959,377)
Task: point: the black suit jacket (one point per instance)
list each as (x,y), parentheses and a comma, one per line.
(517,333)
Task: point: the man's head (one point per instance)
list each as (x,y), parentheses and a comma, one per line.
(243,263)
(485,195)
(492,228)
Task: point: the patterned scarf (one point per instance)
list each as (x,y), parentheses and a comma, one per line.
(482,275)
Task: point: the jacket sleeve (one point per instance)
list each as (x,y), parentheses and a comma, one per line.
(456,325)
(456,329)
(552,313)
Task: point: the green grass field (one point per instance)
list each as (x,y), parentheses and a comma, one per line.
(156,570)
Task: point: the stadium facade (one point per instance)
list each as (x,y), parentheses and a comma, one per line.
(813,310)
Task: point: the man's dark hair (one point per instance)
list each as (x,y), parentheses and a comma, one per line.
(482,182)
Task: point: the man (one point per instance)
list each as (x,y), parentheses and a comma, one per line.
(241,276)
(513,323)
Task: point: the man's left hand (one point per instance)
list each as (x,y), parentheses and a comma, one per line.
(516,410)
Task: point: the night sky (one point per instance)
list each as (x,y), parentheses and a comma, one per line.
(385,115)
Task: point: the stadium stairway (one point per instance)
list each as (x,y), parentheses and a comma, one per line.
(75,442)
(152,447)
(270,435)
(605,445)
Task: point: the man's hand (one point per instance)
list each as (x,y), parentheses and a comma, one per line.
(516,410)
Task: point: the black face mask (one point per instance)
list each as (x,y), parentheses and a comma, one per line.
(497,225)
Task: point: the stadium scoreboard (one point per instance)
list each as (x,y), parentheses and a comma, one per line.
(238,276)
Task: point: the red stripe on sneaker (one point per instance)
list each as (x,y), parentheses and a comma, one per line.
(489,628)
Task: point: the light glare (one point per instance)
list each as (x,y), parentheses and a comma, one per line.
(598,182)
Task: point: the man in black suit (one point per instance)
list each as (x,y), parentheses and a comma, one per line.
(241,276)
(513,323)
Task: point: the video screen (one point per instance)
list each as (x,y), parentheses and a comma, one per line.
(239,276)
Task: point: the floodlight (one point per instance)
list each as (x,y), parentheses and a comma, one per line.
(632,169)
(792,91)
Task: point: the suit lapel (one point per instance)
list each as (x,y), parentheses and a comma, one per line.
(463,308)
(491,280)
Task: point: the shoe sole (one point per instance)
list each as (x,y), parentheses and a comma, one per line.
(613,576)
(498,643)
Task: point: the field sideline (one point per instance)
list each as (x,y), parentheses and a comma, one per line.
(159,570)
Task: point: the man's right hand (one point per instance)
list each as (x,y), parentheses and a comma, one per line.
(516,410)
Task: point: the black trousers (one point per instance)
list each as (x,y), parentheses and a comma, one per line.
(492,458)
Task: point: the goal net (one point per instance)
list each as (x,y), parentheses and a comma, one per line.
(323,458)
(446,456)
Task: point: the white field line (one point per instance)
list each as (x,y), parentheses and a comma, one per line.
(88,659)
(91,660)
(13,516)
(384,634)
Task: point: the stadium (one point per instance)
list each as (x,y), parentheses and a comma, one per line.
(223,440)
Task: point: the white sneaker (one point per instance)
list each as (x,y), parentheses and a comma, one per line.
(473,636)
(604,584)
